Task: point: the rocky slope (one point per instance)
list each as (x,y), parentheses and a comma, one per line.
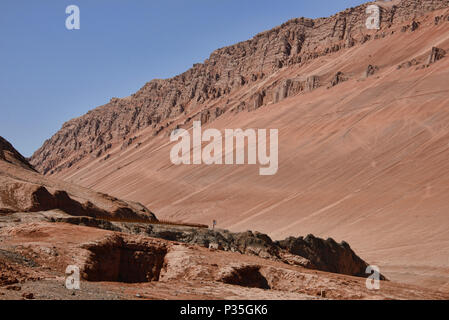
(204,91)
(9,154)
(22,189)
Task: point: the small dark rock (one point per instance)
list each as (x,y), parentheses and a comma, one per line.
(28,296)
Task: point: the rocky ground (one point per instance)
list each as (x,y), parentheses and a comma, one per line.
(114,265)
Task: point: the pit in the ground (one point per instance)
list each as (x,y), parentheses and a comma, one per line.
(246,276)
(125,264)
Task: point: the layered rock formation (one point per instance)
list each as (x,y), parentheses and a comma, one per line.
(326,255)
(205,89)
(435,55)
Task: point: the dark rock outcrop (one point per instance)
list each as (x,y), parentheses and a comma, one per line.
(326,255)
(435,55)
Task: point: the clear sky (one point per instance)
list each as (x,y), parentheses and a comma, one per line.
(49,75)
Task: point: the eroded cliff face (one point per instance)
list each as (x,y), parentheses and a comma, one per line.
(233,79)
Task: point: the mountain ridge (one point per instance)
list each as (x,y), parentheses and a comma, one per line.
(200,92)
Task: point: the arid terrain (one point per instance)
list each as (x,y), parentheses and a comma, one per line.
(138,257)
(363,120)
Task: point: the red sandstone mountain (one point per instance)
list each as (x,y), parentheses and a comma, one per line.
(363,137)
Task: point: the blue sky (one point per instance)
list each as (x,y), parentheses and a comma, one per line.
(49,75)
